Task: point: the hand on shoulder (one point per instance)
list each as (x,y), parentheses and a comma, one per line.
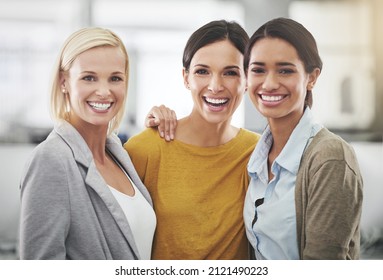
(164,119)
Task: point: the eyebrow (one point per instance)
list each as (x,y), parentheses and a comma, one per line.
(278,64)
(226,67)
(92,72)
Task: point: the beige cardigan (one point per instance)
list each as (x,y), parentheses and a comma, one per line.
(328,199)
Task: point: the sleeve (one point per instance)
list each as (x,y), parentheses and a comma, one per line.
(333,211)
(45,208)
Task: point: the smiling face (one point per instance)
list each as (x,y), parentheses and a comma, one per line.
(216,80)
(277,80)
(96,87)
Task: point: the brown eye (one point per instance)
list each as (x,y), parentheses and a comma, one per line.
(231,73)
(258,70)
(286,71)
(201,72)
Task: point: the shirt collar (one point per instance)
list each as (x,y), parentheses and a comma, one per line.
(260,153)
(291,154)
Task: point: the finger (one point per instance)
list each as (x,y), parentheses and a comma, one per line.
(165,121)
(169,122)
(153,119)
(152,116)
(161,115)
(151,122)
(173,125)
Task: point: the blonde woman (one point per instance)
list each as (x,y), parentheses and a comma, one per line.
(81,197)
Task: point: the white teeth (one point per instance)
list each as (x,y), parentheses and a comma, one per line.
(100,106)
(272,98)
(216,101)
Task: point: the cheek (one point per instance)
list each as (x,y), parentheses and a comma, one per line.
(300,88)
(240,87)
(196,84)
(76,90)
(237,86)
(252,89)
(254,99)
(238,99)
(252,84)
(121,92)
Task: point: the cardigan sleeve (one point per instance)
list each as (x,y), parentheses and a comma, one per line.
(333,203)
(333,212)
(45,208)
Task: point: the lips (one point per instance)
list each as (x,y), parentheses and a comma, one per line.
(100,106)
(272,99)
(216,102)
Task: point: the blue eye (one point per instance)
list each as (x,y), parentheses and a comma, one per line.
(89,78)
(116,79)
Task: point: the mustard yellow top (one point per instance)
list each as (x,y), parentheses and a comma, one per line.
(198,194)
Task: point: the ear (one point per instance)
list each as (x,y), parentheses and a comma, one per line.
(185,74)
(63,82)
(313,76)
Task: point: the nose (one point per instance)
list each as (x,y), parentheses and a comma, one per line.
(215,84)
(103,90)
(271,82)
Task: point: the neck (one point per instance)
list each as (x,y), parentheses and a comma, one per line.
(95,138)
(195,131)
(281,129)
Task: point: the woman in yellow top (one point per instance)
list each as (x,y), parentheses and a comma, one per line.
(198,182)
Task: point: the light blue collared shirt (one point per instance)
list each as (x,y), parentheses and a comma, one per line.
(274,234)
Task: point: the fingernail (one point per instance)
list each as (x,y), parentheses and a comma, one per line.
(162,134)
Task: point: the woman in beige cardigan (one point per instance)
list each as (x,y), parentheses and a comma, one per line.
(304,200)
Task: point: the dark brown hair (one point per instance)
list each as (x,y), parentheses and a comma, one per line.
(212,32)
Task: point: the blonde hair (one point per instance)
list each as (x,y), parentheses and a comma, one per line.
(77,43)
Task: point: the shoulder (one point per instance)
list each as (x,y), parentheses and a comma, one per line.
(249,134)
(52,148)
(53,154)
(147,135)
(330,145)
(47,167)
(327,146)
(248,138)
(144,141)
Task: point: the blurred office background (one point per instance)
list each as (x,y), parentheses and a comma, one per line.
(348,98)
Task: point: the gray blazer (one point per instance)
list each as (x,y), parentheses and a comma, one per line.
(67,210)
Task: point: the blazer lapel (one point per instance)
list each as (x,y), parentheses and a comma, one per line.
(93,178)
(115,148)
(95,181)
